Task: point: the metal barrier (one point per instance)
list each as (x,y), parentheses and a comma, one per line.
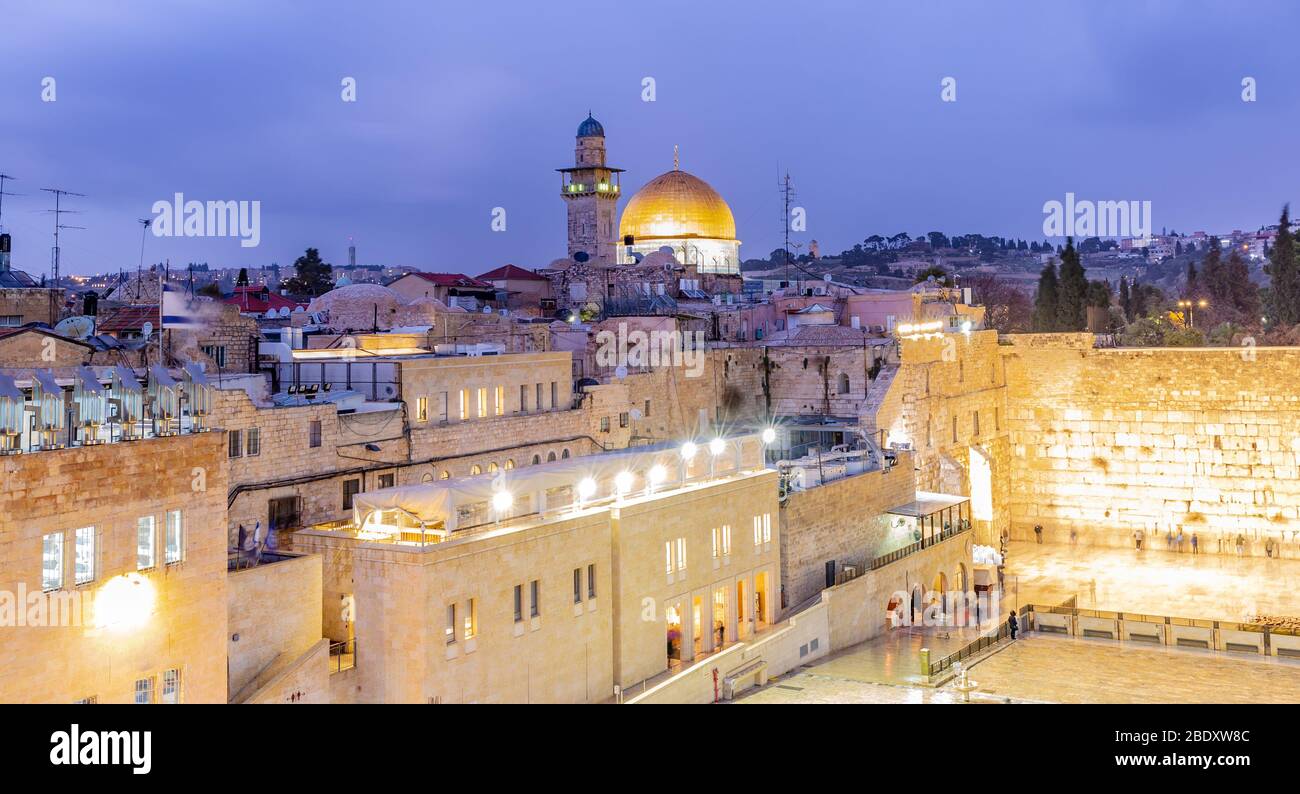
(343,655)
(912,548)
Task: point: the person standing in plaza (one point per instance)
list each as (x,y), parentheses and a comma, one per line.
(1137,538)
(1013,625)
(1038,533)
(1196,544)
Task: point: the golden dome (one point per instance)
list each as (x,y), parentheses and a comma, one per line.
(677,205)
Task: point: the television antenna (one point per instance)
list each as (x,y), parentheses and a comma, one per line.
(3,177)
(58,211)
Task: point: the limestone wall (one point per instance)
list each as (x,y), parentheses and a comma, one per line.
(275,611)
(1106,442)
(840,521)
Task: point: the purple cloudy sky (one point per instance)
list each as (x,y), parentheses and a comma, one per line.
(463,107)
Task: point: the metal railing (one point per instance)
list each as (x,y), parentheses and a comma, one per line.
(985,642)
(343,655)
(912,548)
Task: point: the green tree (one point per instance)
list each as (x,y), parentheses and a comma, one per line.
(1072,290)
(311,275)
(1284,273)
(1046,300)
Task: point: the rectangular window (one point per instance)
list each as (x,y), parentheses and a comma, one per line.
(758,530)
(555,394)
(681,554)
(450,631)
(591,581)
(350,489)
(482,402)
(52,561)
(235,448)
(623,419)
(647,409)
(464,404)
(954,430)
(975,417)
(668,557)
(726,540)
(313,434)
(604,424)
(767,527)
(254,441)
(85,555)
(523,398)
(145,542)
(519,602)
(144,690)
(421,409)
(174,545)
(538,404)
(500,401)
(171,687)
(577,585)
(534,598)
(471,619)
(717,543)
(997,418)
(387,480)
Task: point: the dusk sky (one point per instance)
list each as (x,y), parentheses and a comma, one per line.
(466,107)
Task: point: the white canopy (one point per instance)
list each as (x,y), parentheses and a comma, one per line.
(434,502)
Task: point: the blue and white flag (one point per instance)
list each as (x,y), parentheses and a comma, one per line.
(177,310)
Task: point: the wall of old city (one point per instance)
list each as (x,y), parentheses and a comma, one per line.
(1107,442)
(841,522)
(946,401)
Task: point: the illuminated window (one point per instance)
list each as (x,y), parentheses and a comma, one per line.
(482,402)
(668,557)
(717,544)
(444,475)
(492,467)
(464,404)
(577,585)
(475,469)
(171,688)
(681,554)
(500,400)
(85,555)
(471,619)
(758,530)
(52,561)
(767,527)
(726,540)
(145,544)
(174,539)
(510,464)
(422,409)
(450,630)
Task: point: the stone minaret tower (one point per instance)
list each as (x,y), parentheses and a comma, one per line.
(590,189)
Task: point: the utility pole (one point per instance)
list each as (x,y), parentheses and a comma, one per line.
(787,194)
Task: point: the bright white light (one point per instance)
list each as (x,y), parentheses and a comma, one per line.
(657,474)
(502,500)
(769,435)
(586,488)
(623,482)
(965,326)
(717,445)
(688,451)
(124,602)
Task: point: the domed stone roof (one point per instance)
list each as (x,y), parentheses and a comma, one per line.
(590,128)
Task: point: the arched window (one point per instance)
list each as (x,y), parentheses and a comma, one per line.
(475,469)
(510,464)
(446,475)
(564,453)
(428,477)
(537,459)
(550,456)
(844,383)
(492,467)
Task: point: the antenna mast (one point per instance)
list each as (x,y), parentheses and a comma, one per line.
(59,225)
(3,177)
(787,194)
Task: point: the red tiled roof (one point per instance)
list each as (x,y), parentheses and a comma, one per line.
(127,318)
(511,273)
(453,280)
(249,299)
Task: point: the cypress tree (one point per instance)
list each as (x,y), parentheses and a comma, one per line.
(1045,301)
(1284,273)
(1072,291)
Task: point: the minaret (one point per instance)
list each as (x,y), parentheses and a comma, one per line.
(590,189)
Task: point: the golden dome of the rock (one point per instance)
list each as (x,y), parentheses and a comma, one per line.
(677,205)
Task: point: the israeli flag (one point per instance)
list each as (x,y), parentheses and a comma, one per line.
(177,310)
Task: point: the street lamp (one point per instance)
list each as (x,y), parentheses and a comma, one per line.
(1191,306)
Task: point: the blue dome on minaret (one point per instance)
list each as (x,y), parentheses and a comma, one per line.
(590,128)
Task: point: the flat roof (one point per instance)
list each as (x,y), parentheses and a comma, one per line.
(926,504)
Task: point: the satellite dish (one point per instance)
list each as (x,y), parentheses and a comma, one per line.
(78,327)
(620,373)
(826,278)
(666,249)
(581,256)
(147,330)
(284,311)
